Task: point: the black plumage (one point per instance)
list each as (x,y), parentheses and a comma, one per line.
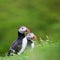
(16,45)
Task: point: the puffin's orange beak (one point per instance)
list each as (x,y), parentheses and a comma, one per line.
(27,30)
(35,37)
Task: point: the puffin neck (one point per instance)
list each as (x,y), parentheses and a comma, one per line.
(21,35)
(28,38)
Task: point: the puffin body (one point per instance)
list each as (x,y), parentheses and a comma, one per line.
(17,45)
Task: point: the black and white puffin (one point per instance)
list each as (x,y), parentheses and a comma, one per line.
(28,39)
(16,45)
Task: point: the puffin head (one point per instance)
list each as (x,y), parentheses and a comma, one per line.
(31,36)
(23,29)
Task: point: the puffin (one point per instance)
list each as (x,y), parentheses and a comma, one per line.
(17,44)
(28,39)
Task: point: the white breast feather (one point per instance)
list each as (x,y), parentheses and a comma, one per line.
(24,44)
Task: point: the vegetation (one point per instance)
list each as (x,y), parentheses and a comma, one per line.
(41,16)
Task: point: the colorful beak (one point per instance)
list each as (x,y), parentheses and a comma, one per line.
(27,30)
(35,37)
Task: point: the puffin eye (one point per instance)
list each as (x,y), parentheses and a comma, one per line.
(22,28)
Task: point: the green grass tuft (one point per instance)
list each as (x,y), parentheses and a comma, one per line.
(40,52)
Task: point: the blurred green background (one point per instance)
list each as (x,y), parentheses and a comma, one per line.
(41,16)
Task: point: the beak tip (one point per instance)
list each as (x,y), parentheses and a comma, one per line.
(35,37)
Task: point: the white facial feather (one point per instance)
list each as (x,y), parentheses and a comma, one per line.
(30,36)
(22,29)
